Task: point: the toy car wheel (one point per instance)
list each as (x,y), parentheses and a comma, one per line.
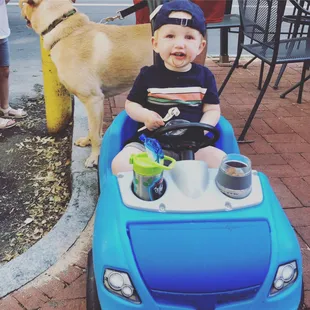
(92,300)
(302,306)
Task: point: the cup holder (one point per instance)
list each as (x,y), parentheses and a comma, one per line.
(147,193)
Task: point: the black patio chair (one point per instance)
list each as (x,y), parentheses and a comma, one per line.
(299,22)
(261,22)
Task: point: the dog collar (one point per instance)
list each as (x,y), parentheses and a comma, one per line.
(58,21)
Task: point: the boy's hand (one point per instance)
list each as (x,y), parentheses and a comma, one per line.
(153,121)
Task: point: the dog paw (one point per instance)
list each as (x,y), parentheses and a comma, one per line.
(84,141)
(91,161)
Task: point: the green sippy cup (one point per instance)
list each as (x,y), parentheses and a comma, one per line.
(148,182)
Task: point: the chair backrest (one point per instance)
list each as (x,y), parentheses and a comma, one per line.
(261,19)
(301,6)
(296,20)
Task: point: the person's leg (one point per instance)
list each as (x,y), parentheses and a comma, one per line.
(120,162)
(4,73)
(211,155)
(4,82)
(5,109)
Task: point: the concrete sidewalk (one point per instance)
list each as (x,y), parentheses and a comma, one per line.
(281,150)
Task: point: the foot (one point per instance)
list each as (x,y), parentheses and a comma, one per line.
(83,141)
(91,161)
(13,113)
(6,123)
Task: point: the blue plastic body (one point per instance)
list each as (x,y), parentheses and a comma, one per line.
(192,261)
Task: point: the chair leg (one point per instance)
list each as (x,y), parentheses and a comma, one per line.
(249,62)
(234,66)
(302,81)
(261,74)
(276,84)
(256,105)
(294,87)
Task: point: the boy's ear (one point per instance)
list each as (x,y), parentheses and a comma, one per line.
(154,44)
(202,46)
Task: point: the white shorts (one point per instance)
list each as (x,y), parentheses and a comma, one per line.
(141,147)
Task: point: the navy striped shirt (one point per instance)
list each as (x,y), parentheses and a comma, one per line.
(158,89)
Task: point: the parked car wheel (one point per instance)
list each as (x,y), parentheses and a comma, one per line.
(92,300)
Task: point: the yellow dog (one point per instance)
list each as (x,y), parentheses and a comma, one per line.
(93,61)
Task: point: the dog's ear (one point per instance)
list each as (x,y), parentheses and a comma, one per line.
(34,2)
(31,2)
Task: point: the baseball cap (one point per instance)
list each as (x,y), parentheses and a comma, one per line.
(197,22)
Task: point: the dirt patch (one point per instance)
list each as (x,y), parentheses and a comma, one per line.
(34,179)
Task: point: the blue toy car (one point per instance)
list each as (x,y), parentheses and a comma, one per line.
(184,252)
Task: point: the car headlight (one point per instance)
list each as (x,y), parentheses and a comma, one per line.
(285,276)
(119,283)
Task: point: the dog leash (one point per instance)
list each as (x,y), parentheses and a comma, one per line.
(123,13)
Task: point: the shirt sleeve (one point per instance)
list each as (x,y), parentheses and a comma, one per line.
(138,92)
(211,96)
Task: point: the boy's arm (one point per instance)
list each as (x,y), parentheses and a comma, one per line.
(137,112)
(211,114)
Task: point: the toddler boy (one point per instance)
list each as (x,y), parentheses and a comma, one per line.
(179,32)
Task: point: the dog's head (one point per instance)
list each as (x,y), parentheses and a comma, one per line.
(39,14)
(27,7)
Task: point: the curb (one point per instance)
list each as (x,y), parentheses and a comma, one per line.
(47,251)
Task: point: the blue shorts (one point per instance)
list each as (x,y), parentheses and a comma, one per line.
(4,53)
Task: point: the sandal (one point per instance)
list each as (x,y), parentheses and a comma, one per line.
(13,113)
(6,123)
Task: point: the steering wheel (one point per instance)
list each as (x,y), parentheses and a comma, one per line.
(183,142)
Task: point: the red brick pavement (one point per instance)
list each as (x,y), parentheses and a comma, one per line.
(281,150)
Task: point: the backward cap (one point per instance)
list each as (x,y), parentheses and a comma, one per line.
(196,22)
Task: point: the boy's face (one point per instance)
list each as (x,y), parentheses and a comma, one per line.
(177,45)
